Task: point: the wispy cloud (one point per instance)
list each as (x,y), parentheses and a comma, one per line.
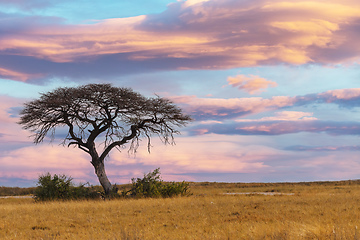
(284,116)
(251,84)
(216,108)
(286,127)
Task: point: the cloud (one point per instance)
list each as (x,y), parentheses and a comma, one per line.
(252,84)
(229,156)
(341,94)
(214,157)
(284,116)
(214,34)
(278,127)
(18,76)
(322,148)
(31,161)
(220,109)
(176,162)
(215,108)
(343,97)
(286,127)
(20,159)
(8,116)
(284,122)
(12,136)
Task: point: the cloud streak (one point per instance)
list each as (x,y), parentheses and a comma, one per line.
(279,128)
(322,148)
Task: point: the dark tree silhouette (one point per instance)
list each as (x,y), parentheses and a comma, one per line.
(114,116)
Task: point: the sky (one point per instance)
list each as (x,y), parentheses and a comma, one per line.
(272,85)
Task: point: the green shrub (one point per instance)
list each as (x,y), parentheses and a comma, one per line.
(174,188)
(152,186)
(51,188)
(60,187)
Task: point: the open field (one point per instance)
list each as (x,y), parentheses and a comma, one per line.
(323,210)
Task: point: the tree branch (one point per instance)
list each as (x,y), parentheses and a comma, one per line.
(84,148)
(71,131)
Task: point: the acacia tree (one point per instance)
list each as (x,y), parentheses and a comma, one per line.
(100,112)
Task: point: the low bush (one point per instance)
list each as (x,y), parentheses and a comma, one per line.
(175,188)
(60,187)
(151,185)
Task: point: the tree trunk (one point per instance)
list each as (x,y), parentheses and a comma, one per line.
(99,166)
(101,174)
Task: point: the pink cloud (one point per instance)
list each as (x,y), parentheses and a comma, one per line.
(193,154)
(18,76)
(343,97)
(242,158)
(245,157)
(190,154)
(9,129)
(341,94)
(252,84)
(48,156)
(33,160)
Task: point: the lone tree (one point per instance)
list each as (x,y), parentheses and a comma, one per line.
(111,115)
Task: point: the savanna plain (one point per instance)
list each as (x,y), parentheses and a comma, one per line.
(317,210)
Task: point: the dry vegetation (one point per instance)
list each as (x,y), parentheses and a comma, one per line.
(323,210)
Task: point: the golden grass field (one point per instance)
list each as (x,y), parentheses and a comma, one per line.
(322,210)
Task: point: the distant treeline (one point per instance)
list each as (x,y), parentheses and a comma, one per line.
(275,184)
(17,191)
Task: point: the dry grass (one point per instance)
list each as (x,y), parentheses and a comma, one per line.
(316,211)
